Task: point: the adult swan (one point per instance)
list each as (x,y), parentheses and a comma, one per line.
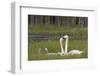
(65,51)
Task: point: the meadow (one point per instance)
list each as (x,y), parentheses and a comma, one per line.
(78,39)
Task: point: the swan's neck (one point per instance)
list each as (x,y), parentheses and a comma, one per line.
(61,45)
(66,45)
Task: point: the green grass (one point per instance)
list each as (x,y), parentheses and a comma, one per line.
(54,46)
(54,29)
(75,31)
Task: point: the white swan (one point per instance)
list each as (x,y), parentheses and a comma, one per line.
(65,52)
(48,53)
(73,52)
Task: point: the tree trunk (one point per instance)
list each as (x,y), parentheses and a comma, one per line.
(57,21)
(31,20)
(36,20)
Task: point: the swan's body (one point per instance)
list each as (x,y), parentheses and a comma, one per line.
(48,53)
(52,54)
(72,52)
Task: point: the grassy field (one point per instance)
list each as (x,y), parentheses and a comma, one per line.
(54,46)
(54,29)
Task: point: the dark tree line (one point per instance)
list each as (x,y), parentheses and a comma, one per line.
(57,20)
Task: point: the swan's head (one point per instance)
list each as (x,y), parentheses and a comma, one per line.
(65,36)
(61,39)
